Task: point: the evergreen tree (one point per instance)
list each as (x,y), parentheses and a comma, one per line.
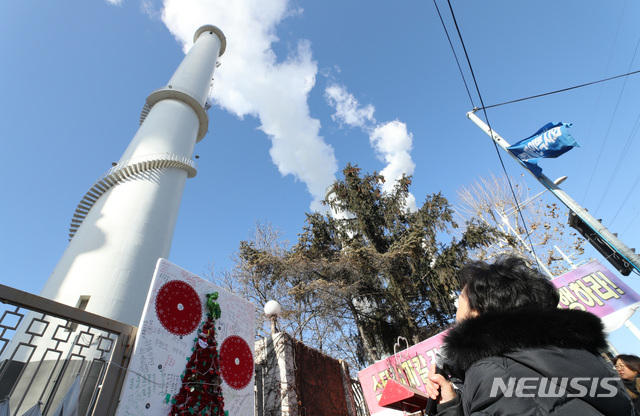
(383,269)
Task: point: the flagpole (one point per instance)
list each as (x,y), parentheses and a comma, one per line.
(618,246)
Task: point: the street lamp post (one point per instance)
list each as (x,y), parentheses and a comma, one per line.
(505,220)
(272,309)
(565,257)
(511,211)
(504,215)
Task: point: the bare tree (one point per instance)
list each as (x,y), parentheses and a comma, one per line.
(532,228)
(319,323)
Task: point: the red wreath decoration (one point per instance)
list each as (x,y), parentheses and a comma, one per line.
(178,307)
(236,362)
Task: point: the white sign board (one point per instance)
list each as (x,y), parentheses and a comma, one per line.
(171,335)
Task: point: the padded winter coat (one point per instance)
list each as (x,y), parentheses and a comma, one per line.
(533,362)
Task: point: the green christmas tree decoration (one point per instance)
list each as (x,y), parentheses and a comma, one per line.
(201,391)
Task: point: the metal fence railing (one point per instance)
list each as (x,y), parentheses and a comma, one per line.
(45,346)
(358,398)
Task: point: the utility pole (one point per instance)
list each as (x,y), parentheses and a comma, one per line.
(616,252)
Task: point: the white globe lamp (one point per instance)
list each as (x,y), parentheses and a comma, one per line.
(272,309)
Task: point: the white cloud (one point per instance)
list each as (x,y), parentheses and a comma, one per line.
(391,141)
(150,8)
(348,109)
(115,2)
(393,144)
(252,82)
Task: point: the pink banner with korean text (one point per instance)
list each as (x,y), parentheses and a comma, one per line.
(409,367)
(596,289)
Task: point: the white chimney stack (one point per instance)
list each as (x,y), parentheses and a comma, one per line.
(126,220)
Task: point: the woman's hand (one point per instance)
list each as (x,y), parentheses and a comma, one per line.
(438,387)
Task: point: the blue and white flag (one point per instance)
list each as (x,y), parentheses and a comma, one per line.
(550,141)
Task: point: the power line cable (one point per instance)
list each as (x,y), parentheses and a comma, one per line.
(631,222)
(615,111)
(558,91)
(454,53)
(592,118)
(475,82)
(634,131)
(627,145)
(631,191)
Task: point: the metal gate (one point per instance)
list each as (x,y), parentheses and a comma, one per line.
(46,346)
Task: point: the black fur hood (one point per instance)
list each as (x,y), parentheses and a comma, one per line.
(496,334)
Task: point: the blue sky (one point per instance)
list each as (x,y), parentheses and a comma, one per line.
(306,87)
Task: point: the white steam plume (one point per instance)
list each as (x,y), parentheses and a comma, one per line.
(391,141)
(348,110)
(252,82)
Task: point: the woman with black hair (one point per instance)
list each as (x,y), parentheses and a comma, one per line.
(628,367)
(515,353)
